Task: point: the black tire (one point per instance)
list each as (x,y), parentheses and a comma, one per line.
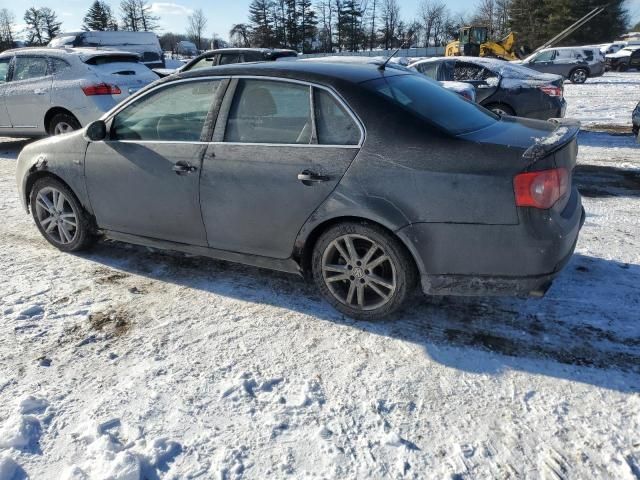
(501,109)
(398,268)
(82,233)
(579,76)
(623,67)
(63,121)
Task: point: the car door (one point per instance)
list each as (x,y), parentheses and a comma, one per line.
(280,148)
(543,62)
(485,81)
(144,178)
(5,122)
(29,93)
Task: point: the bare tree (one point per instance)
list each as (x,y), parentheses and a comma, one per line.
(137,17)
(33,26)
(197,23)
(390,16)
(7,25)
(239,35)
(431,14)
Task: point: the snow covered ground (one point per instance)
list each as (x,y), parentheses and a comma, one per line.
(129,363)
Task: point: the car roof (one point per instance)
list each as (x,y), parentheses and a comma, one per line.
(241,50)
(83,53)
(320,72)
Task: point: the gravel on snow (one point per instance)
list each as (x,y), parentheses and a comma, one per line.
(128,363)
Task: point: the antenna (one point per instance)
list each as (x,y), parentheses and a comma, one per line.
(384,65)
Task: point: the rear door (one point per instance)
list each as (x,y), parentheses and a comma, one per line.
(29,93)
(485,81)
(280,148)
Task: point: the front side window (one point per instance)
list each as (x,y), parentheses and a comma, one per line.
(430,69)
(27,68)
(4,69)
(333,124)
(203,63)
(426,99)
(544,57)
(265,111)
(175,113)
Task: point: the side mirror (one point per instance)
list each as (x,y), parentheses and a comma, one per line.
(96,131)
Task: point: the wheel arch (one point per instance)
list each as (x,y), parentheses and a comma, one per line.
(500,103)
(306,244)
(52,112)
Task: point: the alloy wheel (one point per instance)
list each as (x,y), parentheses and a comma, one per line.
(56,216)
(579,76)
(358,272)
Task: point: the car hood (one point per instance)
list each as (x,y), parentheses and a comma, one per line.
(619,54)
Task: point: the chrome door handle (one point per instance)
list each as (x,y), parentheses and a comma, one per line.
(183,167)
(308,177)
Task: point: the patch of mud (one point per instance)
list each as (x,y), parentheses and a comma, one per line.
(116,321)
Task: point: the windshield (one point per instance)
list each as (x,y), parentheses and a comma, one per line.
(427,99)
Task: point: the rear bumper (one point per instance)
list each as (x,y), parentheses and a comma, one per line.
(466,259)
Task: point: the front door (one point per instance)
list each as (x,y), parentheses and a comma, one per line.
(144,178)
(543,62)
(29,93)
(282,150)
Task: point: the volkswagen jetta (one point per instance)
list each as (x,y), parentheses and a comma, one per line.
(366,178)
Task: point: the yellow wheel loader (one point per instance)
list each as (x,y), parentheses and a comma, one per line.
(473,42)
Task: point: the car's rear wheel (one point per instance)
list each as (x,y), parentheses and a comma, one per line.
(579,75)
(63,123)
(362,270)
(501,109)
(59,216)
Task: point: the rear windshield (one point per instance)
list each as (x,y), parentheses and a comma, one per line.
(430,101)
(105,59)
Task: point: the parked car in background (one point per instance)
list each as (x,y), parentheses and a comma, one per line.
(47,91)
(144,44)
(635,119)
(613,47)
(227,56)
(576,64)
(365,179)
(620,61)
(186,48)
(503,87)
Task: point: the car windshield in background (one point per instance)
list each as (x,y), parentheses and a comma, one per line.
(430,101)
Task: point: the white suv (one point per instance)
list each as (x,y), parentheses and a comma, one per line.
(51,91)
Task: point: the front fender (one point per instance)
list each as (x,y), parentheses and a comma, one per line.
(60,156)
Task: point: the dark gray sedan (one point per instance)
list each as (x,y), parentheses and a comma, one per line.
(366,179)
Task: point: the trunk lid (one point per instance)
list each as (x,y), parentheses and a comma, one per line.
(129,76)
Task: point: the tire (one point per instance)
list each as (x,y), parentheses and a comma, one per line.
(61,221)
(63,123)
(623,67)
(579,76)
(363,293)
(501,109)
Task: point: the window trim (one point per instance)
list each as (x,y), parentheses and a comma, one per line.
(211,133)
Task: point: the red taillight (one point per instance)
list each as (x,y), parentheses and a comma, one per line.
(541,189)
(101,89)
(552,91)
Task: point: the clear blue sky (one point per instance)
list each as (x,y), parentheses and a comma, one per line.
(220,14)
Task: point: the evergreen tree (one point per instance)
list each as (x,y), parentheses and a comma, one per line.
(99,18)
(261,22)
(50,23)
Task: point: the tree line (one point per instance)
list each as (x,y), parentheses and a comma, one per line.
(352,25)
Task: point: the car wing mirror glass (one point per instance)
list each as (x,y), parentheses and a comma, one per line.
(96,131)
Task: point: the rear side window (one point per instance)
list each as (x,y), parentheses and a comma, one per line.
(428,100)
(27,68)
(430,69)
(203,63)
(253,57)
(333,124)
(265,111)
(4,69)
(174,113)
(150,57)
(588,55)
(564,55)
(229,59)
(465,72)
(58,65)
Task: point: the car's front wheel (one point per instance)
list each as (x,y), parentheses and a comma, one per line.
(362,270)
(63,123)
(501,109)
(579,75)
(59,216)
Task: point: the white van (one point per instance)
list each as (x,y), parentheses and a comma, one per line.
(145,44)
